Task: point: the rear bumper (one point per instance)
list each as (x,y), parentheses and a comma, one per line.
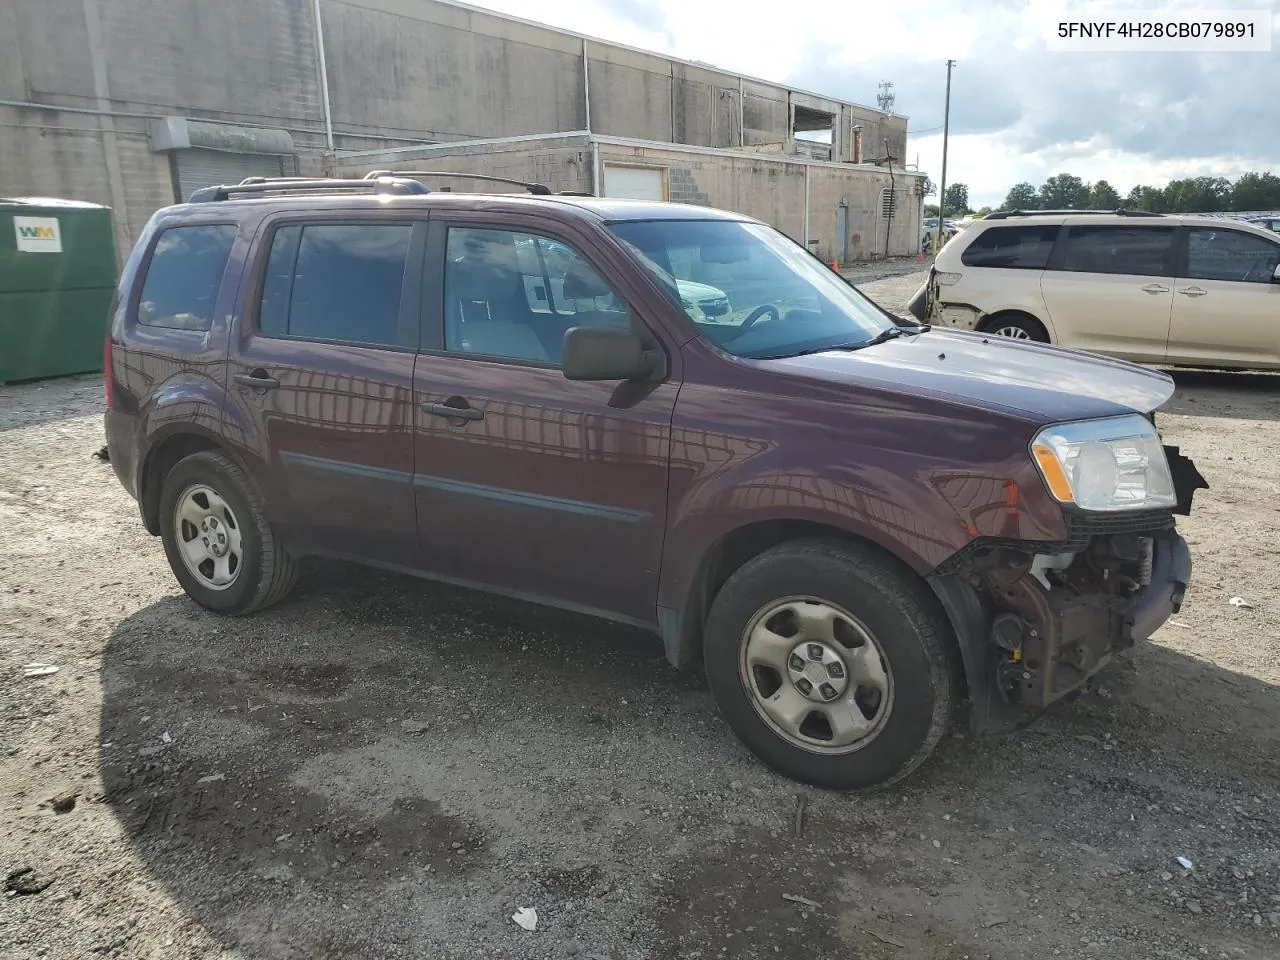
(119,430)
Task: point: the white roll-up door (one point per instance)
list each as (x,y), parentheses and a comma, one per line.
(198,168)
(633,183)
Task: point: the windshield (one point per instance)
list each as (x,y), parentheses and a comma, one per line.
(750,290)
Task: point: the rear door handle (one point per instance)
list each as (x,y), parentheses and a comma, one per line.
(258,380)
(1193,291)
(1155,288)
(452,412)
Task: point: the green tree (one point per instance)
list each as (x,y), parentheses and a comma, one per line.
(957,198)
(1022,196)
(1256,191)
(1142,197)
(930,209)
(1064,192)
(1198,195)
(1103,196)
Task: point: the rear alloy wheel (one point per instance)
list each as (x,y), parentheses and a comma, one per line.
(832,663)
(215,532)
(1016,328)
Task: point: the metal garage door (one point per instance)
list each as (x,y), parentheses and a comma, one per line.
(196,168)
(634,183)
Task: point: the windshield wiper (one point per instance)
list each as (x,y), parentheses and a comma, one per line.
(884,336)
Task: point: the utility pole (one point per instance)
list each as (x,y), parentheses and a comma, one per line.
(942,190)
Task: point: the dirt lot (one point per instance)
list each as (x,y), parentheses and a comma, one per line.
(383,768)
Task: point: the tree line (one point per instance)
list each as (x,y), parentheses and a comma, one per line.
(1251,191)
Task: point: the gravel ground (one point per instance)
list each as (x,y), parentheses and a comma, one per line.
(384,768)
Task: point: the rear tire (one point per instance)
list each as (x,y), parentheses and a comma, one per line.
(220,546)
(1016,326)
(832,663)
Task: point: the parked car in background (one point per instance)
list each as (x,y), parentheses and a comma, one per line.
(1176,290)
(371,371)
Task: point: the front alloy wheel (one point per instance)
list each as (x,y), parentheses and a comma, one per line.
(815,675)
(832,662)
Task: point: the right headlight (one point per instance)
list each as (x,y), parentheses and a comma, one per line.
(1112,464)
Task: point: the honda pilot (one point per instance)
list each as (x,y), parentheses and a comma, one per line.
(861,530)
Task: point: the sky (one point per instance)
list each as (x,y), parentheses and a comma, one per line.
(1018,110)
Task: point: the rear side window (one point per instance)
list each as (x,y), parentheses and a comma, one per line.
(1012,248)
(1230,255)
(336,282)
(186,269)
(1139,251)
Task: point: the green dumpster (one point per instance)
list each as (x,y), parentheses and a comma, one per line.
(57,274)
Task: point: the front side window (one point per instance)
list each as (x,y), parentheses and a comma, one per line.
(336,282)
(181,287)
(1214,254)
(512,295)
(750,290)
(1137,251)
(1012,248)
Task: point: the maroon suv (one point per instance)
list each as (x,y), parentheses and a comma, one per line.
(858,526)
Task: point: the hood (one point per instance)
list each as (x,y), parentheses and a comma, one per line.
(1035,381)
(690,290)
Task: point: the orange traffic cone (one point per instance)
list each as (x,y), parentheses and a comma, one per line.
(835,265)
(919,256)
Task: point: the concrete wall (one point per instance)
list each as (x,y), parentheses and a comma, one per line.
(565,166)
(400,71)
(768,188)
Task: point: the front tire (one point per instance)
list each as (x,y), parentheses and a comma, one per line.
(832,663)
(216,536)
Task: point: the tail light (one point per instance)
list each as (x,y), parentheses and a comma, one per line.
(107,376)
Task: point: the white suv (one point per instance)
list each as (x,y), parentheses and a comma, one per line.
(1179,290)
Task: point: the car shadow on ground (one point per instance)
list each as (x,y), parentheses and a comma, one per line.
(382,766)
(1219,393)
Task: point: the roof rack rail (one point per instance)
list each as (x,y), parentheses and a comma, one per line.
(261,185)
(1120,212)
(537,189)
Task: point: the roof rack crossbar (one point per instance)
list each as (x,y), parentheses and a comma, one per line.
(537,189)
(261,185)
(1120,212)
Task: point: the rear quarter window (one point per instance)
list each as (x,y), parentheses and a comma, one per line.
(1012,248)
(183,276)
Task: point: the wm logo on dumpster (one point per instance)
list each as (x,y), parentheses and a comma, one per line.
(37,234)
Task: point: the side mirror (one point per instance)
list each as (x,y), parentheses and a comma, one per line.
(606,353)
(1275,274)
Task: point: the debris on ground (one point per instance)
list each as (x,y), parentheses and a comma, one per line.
(1240,602)
(32,670)
(1185,863)
(211,778)
(414,726)
(26,881)
(103,454)
(526,918)
(65,801)
(794,898)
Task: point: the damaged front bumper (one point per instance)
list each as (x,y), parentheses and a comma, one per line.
(1036,621)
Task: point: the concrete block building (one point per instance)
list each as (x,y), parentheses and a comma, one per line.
(137,103)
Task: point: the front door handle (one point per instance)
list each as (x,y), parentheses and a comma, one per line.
(452,412)
(1155,288)
(258,380)
(1193,291)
